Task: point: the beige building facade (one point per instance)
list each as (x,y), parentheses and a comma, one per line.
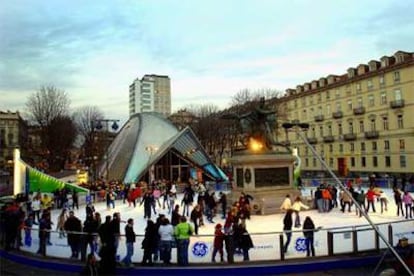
(13,133)
(361,122)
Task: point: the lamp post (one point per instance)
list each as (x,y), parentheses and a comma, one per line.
(151,149)
(103,124)
(298,127)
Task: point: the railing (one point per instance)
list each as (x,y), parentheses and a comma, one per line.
(337,114)
(267,246)
(397,103)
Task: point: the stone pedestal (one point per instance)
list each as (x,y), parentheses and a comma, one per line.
(268,177)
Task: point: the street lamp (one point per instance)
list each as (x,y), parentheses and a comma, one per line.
(298,127)
(103,124)
(151,149)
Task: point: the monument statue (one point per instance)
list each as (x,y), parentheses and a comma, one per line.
(258,124)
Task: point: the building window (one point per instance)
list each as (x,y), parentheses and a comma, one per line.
(360,103)
(352,147)
(363,162)
(295,103)
(349,105)
(373,127)
(397,95)
(304,101)
(328,110)
(370,85)
(340,129)
(387,161)
(375,161)
(352,161)
(383,98)
(338,107)
(331,162)
(386,145)
(351,127)
(328,95)
(329,130)
(304,115)
(330,148)
(362,146)
(400,121)
(311,113)
(306,162)
(337,94)
(371,101)
(374,146)
(313,132)
(382,80)
(358,87)
(341,148)
(397,76)
(402,144)
(321,131)
(403,161)
(319,98)
(314,162)
(385,123)
(311,100)
(361,126)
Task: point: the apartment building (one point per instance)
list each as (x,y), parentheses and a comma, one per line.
(361,122)
(152,93)
(13,133)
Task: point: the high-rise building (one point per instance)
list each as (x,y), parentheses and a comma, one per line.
(360,122)
(152,93)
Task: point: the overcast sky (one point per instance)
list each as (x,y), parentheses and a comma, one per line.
(210,49)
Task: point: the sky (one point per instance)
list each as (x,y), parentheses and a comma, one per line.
(93,50)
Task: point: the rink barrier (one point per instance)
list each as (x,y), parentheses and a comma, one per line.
(352,232)
(331,259)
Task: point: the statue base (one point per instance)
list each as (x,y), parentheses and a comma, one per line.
(267,177)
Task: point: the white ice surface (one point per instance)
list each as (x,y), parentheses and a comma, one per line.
(266,245)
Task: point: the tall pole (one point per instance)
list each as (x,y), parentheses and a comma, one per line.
(114,127)
(299,126)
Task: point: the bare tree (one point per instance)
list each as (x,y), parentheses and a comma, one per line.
(61,134)
(49,109)
(84,118)
(47,104)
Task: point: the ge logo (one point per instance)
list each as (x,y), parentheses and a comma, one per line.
(300,244)
(200,249)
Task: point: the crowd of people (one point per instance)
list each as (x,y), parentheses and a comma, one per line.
(180,219)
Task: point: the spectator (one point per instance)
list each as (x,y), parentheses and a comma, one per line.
(149,243)
(287,228)
(130,240)
(308,231)
(166,233)
(218,243)
(182,232)
(245,242)
(73,226)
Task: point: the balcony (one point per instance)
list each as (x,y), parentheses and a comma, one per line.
(350,137)
(359,110)
(372,134)
(312,140)
(337,115)
(397,104)
(285,143)
(328,139)
(319,118)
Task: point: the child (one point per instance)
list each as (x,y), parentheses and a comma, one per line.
(218,243)
(28,223)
